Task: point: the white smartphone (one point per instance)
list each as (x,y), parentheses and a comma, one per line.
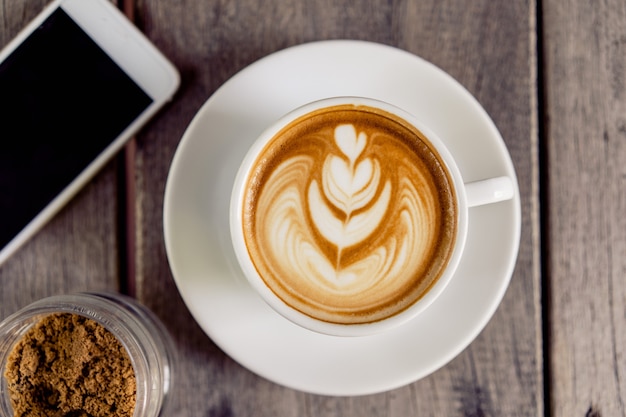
(75,84)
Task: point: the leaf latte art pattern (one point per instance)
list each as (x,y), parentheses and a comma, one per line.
(347,222)
(349,186)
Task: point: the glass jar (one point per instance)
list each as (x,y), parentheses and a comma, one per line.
(149,346)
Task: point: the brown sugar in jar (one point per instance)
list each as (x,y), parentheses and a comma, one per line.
(85,355)
(68,364)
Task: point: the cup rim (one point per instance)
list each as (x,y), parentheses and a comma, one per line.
(295,316)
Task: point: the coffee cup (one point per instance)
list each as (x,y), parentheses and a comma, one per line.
(349,217)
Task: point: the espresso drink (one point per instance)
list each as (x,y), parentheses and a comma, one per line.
(349,214)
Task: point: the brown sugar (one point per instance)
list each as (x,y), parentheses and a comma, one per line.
(69,365)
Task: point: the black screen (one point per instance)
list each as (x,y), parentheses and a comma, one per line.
(62,101)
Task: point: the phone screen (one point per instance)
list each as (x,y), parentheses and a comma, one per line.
(62,102)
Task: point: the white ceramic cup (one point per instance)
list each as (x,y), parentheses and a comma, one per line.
(488,191)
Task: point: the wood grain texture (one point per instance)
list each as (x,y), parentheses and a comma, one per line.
(78,250)
(490,48)
(585,91)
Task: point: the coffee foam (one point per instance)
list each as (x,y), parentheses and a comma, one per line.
(349,215)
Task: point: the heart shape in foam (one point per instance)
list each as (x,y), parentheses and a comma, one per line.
(351,144)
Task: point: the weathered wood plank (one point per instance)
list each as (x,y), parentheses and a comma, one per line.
(78,249)
(488,46)
(585,78)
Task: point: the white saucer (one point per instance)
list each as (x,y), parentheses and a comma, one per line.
(198,240)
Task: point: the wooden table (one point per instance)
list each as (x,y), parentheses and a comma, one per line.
(551,74)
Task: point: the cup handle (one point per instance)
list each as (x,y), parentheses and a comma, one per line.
(489,191)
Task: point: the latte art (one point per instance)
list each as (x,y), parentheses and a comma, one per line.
(349,215)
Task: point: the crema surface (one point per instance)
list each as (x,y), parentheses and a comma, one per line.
(349,214)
